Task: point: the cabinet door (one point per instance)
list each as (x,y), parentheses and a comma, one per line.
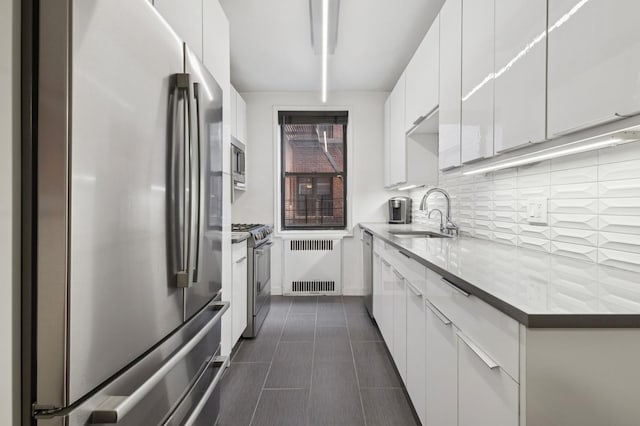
(416,338)
(450,84)
(520,73)
(233,115)
(477,80)
(378,296)
(399,351)
(387,142)
(422,78)
(185,17)
(397,142)
(385,321)
(241,119)
(441,369)
(487,396)
(594,62)
(239,301)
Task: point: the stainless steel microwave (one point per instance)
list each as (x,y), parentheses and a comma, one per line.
(238,162)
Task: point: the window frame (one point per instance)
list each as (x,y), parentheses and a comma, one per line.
(282,174)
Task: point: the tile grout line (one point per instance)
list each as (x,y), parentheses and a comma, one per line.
(353,359)
(264,383)
(313,356)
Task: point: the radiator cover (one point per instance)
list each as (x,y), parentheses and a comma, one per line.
(312,266)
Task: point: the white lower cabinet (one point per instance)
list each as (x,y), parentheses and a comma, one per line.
(487,396)
(378,296)
(239,297)
(399,350)
(441,369)
(385,319)
(416,340)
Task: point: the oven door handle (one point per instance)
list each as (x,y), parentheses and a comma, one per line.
(261,249)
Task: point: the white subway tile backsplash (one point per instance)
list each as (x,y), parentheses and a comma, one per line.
(593,204)
(584,159)
(617,241)
(620,188)
(576,251)
(619,206)
(575,221)
(619,259)
(622,224)
(619,290)
(575,190)
(575,236)
(574,206)
(580,175)
(618,171)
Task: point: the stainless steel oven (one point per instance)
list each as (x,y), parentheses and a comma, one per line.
(258,275)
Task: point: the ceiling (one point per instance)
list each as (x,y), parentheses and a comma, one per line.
(271,44)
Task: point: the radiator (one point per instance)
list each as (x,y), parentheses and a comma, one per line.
(312,266)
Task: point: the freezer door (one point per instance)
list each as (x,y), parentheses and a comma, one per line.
(122,298)
(206,186)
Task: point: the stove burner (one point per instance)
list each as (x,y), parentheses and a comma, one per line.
(244,227)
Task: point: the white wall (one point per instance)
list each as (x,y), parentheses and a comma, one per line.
(9,204)
(368,198)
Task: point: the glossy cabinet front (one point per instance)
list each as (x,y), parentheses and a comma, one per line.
(397,143)
(477,80)
(422,78)
(520,73)
(450,84)
(594,63)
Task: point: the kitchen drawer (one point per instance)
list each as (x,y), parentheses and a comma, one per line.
(239,250)
(379,246)
(410,269)
(491,330)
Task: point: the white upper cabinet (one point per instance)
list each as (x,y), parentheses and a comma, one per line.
(422,78)
(477,79)
(185,17)
(520,79)
(397,135)
(450,84)
(238,116)
(594,63)
(387,143)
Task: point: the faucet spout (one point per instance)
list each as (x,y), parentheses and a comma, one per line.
(450,227)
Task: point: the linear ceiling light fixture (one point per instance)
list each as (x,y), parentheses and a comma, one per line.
(324,33)
(576,147)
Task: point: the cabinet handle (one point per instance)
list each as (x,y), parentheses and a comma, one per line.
(447,168)
(384,262)
(479,352)
(475,160)
(398,275)
(514,148)
(455,287)
(628,115)
(241,259)
(442,317)
(404,254)
(415,290)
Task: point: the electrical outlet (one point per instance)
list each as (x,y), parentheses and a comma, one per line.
(537,211)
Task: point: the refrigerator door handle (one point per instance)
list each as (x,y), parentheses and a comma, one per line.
(221,363)
(115,408)
(198,182)
(184,175)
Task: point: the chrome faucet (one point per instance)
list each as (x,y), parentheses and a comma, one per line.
(446,224)
(442,226)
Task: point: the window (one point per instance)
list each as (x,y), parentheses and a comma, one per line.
(314,176)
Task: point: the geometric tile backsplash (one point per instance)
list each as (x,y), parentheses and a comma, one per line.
(593,205)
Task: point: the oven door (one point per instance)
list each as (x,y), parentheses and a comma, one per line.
(262,281)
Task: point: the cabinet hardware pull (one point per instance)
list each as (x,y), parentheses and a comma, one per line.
(455,287)
(447,168)
(479,352)
(475,160)
(442,317)
(241,259)
(415,290)
(221,363)
(514,148)
(628,115)
(404,254)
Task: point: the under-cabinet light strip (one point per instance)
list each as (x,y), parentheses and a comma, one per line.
(553,153)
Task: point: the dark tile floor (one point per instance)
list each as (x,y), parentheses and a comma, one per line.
(316,361)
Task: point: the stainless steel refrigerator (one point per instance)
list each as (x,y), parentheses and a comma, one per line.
(122,234)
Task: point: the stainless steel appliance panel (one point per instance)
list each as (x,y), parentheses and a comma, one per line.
(205,277)
(367,261)
(122,299)
(163,382)
(259,286)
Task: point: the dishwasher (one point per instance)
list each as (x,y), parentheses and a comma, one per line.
(367,262)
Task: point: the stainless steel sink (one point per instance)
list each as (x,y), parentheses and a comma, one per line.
(418,234)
